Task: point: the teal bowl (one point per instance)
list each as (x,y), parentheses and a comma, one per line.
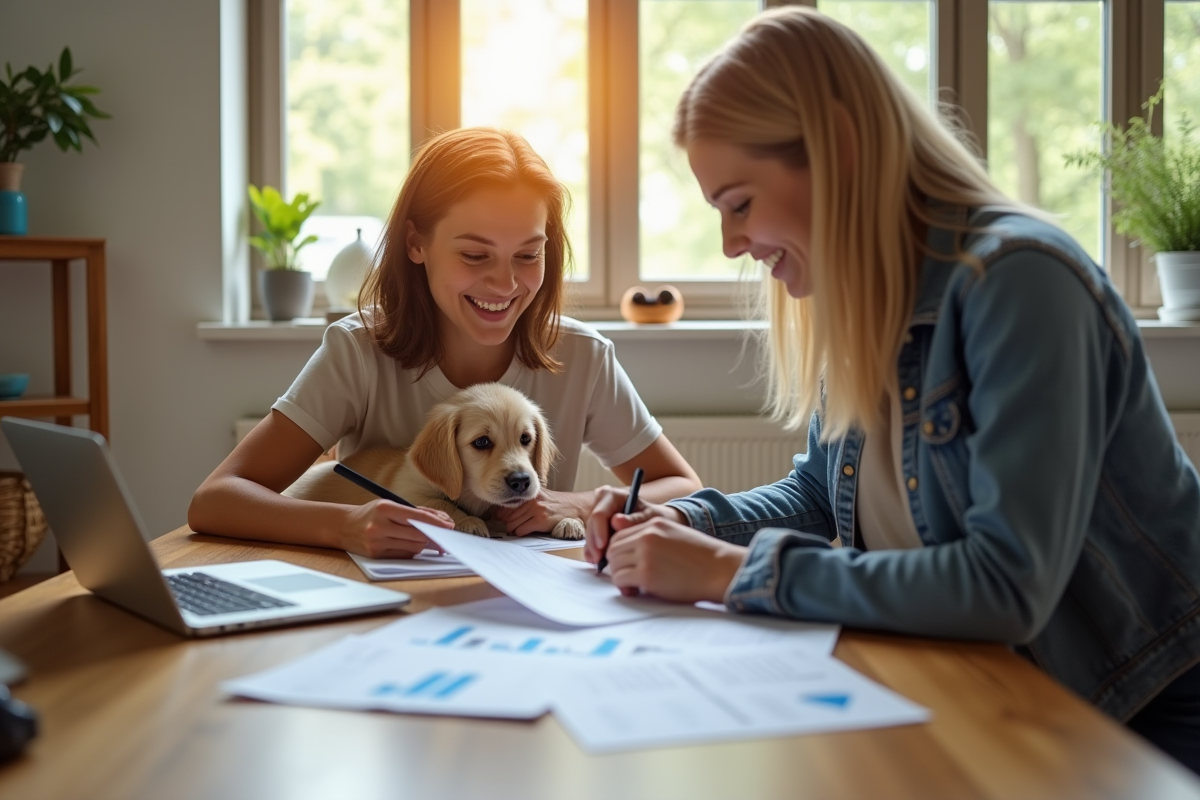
(13,384)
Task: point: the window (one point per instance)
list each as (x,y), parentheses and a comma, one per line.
(347,117)
(524,67)
(1181,63)
(679,233)
(899,30)
(1045,94)
(593,84)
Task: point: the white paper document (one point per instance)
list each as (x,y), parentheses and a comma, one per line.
(558,589)
(663,701)
(502,625)
(370,674)
(432,564)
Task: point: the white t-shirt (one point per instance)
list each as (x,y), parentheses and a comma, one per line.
(884,519)
(351,394)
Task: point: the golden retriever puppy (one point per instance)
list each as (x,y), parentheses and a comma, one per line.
(487,445)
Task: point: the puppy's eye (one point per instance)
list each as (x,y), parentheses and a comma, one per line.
(526,439)
(482,443)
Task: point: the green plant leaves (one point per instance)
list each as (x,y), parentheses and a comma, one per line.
(34,104)
(281,222)
(1154,182)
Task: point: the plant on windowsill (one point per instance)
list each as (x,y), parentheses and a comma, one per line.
(34,105)
(285,288)
(1156,186)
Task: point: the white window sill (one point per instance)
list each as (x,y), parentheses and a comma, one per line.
(310,329)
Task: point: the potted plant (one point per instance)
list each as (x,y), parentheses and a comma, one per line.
(1156,186)
(34,105)
(286,289)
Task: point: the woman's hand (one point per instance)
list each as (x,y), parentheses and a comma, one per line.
(666,559)
(608,515)
(543,512)
(383,529)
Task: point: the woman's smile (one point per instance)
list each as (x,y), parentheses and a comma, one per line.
(491,310)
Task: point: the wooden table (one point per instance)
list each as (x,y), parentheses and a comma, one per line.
(129,710)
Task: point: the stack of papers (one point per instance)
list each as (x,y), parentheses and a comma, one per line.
(627,673)
(432,564)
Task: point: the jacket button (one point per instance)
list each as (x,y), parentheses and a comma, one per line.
(928,427)
(909,393)
(912,484)
(847,470)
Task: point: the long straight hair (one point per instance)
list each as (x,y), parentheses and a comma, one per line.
(777,90)
(446,169)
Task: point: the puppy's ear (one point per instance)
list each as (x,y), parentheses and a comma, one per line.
(544,451)
(435,452)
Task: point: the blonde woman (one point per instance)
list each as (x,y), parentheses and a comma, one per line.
(986,438)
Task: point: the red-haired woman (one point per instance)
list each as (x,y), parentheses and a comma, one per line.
(469,289)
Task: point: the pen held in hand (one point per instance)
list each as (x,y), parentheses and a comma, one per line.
(630,505)
(372,487)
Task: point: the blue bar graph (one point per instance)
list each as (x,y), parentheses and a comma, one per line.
(425,683)
(469,637)
(606,647)
(437,685)
(457,633)
(455,685)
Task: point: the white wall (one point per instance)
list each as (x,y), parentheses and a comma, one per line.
(153,189)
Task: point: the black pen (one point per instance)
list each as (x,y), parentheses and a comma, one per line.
(630,505)
(370,485)
(374,488)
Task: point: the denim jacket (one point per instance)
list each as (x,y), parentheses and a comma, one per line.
(1058,511)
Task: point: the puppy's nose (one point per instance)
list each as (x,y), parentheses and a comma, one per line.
(518,481)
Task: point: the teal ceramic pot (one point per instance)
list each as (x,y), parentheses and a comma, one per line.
(14,219)
(13,384)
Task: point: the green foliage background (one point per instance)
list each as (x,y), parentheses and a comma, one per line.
(347,113)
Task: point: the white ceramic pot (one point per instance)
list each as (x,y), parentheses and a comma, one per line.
(347,272)
(1179,280)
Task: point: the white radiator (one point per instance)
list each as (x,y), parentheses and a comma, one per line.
(730,454)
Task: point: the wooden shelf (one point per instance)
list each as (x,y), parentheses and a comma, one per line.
(35,407)
(63,403)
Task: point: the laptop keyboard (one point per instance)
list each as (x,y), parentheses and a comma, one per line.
(205,595)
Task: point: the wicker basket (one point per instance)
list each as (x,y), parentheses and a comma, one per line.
(22,524)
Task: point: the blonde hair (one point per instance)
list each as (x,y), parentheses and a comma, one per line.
(777,90)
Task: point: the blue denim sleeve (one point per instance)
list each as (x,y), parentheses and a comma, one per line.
(800,501)
(1037,353)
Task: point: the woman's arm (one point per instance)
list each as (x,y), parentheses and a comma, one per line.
(241,498)
(667,475)
(1041,392)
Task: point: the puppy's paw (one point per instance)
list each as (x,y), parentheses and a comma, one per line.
(568,529)
(474,526)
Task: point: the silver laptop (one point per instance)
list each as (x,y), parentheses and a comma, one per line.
(102,538)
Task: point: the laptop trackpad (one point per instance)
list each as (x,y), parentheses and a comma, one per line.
(300,582)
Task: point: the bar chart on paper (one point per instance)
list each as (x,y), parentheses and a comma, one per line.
(472,637)
(438,685)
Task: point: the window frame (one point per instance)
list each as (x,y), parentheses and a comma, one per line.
(1134,40)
